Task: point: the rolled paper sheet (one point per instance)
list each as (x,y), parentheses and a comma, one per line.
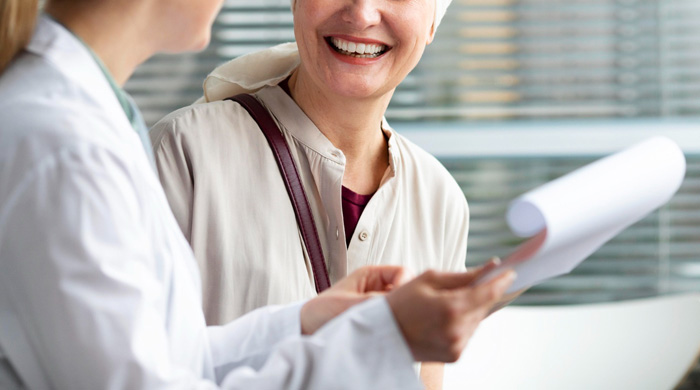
(571,217)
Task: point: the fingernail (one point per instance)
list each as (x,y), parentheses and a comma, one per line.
(496,261)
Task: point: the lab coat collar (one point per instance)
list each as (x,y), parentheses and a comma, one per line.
(72,58)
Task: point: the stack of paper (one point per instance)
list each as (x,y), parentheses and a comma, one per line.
(570,218)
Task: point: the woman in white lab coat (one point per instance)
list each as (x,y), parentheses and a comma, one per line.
(98,287)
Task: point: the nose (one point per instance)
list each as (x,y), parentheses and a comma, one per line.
(363,14)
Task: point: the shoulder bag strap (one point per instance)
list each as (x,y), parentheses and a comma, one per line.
(285,162)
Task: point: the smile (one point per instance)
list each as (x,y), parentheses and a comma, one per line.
(357,50)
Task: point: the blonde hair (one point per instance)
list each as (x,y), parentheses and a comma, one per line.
(17,20)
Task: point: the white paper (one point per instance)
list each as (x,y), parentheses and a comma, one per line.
(571,217)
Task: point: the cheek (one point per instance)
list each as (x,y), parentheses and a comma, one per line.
(310,15)
(414,37)
(418,21)
(307,20)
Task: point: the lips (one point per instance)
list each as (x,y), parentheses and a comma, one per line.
(357,49)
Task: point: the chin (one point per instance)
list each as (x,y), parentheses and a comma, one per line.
(358,90)
(202,43)
(359,94)
(190,45)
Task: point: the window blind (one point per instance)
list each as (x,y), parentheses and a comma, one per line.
(509,59)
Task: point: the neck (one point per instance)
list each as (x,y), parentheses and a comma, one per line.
(352,125)
(101,26)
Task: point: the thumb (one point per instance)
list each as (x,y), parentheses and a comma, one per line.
(385,277)
(373,278)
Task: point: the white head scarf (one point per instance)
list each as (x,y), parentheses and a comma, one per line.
(252,72)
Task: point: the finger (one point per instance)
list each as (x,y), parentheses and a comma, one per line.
(491,292)
(504,281)
(382,278)
(452,280)
(387,278)
(372,294)
(490,264)
(403,276)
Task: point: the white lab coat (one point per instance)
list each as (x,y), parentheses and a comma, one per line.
(98,287)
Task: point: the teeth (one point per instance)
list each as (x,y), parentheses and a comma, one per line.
(363,50)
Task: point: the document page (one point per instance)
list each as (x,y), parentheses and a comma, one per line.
(569,218)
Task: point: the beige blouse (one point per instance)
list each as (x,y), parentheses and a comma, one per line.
(226,192)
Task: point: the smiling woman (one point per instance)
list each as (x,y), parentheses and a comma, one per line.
(375,197)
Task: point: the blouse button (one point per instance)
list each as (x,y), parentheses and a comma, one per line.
(335,154)
(363,235)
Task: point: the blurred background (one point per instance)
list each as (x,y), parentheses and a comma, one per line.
(513,94)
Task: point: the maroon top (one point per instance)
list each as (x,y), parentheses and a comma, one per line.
(285,86)
(353,203)
(353,206)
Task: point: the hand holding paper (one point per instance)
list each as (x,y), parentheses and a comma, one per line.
(570,218)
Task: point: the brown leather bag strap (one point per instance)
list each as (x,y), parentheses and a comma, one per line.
(288,168)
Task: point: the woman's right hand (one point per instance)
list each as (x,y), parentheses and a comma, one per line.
(438,312)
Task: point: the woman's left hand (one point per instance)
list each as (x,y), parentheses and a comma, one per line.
(359,286)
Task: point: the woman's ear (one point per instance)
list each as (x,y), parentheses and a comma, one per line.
(431,35)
